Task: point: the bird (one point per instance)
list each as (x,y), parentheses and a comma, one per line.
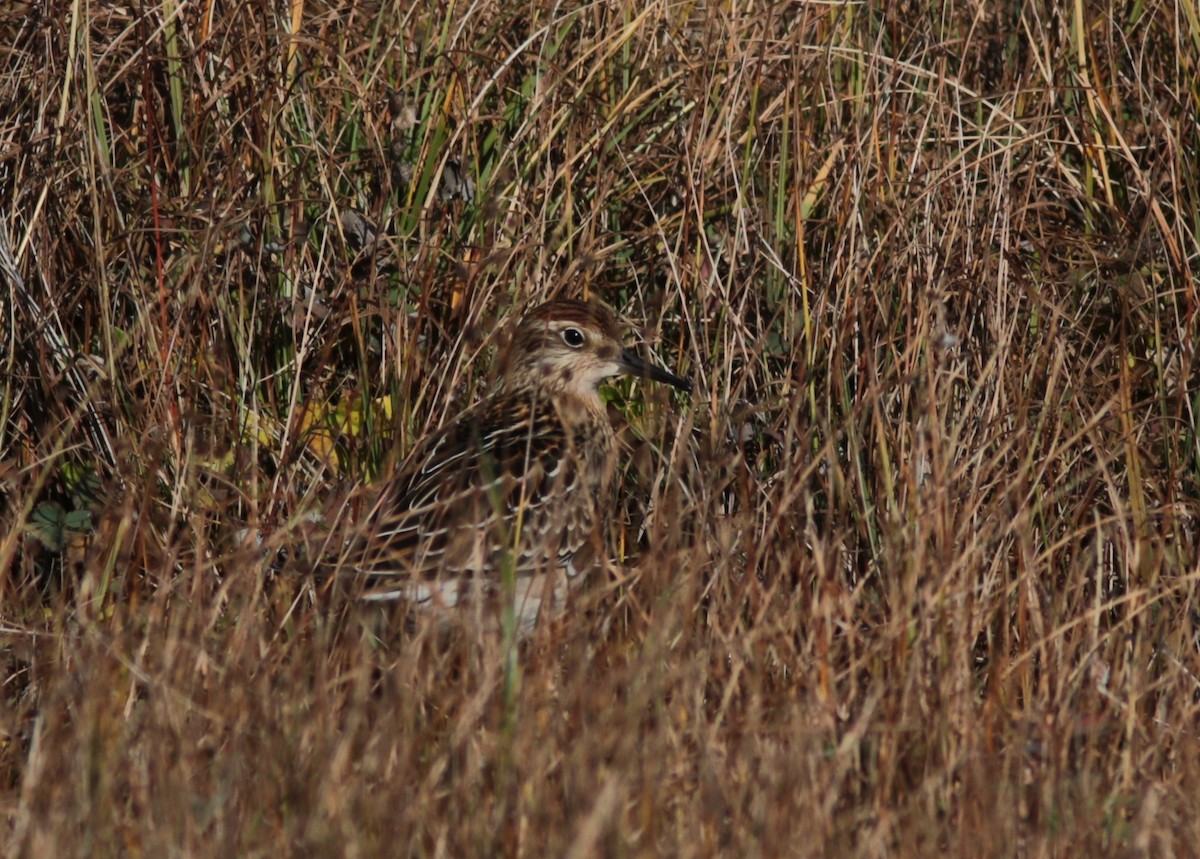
(508,499)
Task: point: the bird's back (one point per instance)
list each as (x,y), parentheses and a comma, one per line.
(515,483)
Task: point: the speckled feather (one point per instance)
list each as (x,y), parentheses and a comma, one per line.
(510,462)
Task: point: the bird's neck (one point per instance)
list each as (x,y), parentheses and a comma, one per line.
(574,400)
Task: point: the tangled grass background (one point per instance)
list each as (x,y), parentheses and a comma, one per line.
(914,570)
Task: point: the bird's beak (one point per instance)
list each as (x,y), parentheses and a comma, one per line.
(636,365)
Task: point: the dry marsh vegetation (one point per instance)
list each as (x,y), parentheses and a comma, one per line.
(914,570)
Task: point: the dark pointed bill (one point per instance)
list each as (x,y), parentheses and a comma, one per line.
(636,365)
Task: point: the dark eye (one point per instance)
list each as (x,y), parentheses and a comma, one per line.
(573,337)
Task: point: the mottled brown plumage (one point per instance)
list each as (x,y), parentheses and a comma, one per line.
(518,482)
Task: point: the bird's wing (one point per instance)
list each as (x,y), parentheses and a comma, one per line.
(492,480)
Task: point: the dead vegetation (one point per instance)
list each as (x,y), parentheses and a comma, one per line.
(916,567)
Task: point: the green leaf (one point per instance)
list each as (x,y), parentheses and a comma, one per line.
(79,521)
(47,524)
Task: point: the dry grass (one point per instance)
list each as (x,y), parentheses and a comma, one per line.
(916,567)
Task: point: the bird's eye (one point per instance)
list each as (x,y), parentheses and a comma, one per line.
(573,337)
